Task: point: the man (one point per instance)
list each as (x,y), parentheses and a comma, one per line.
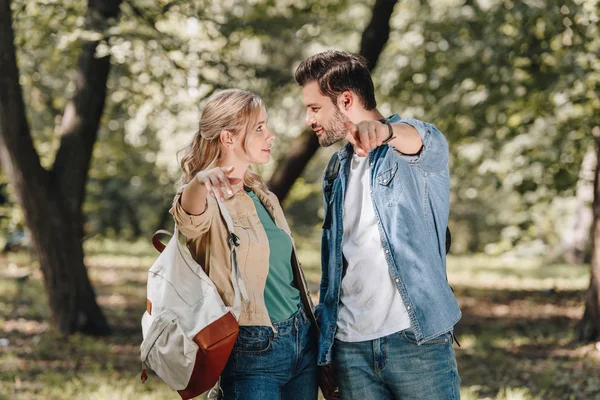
(386,312)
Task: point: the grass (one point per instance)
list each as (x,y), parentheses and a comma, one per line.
(516,333)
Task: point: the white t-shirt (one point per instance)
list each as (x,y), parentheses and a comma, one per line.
(370,305)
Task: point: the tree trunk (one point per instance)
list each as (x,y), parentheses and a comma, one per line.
(588,328)
(291,166)
(51,200)
(377,33)
(58,243)
(304,147)
(132,217)
(576,239)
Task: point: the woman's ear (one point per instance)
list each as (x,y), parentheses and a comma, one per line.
(227,138)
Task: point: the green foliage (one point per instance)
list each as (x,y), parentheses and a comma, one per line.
(513,84)
(167,57)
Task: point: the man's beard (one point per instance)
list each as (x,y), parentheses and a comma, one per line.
(336,130)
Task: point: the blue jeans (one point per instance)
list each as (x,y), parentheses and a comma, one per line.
(268,366)
(395,367)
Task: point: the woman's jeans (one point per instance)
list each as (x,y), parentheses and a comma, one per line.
(265,365)
(395,367)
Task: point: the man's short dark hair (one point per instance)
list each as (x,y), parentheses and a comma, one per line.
(336,72)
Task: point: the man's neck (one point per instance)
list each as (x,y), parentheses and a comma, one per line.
(366,115)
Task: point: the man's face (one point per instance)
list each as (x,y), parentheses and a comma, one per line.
(322,115)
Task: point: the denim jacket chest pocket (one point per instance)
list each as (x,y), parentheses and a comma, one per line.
(389,185)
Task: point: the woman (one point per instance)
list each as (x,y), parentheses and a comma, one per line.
(275,353)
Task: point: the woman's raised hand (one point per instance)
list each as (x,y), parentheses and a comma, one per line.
(218,182)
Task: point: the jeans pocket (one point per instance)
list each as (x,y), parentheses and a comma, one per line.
(410,337)
(253,343)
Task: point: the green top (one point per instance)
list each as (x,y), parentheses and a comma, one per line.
(281,297)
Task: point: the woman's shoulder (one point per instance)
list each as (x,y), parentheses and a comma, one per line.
(272,197)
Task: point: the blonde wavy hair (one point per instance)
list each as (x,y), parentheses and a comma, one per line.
(233,110)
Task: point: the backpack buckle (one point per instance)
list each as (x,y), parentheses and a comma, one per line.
(234,240)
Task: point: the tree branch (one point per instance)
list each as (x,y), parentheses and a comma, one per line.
(19,158)
(81,119)
(377,33)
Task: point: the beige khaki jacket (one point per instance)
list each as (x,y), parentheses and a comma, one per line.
(207,239)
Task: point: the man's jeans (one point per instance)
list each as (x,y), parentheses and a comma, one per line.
(395,367)
(265,366)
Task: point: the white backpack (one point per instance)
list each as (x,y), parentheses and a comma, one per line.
(184,310)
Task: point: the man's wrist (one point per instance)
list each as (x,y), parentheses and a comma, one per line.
(391,130)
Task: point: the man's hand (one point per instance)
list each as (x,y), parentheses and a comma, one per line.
(327,383)
(366,136)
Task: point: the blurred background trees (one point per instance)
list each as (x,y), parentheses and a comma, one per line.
(513,84)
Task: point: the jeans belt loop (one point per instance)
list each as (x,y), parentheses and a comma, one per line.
(303,314)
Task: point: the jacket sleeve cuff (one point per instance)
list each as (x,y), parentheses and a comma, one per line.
(189,224)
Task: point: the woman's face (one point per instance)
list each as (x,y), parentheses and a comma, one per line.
(260,139)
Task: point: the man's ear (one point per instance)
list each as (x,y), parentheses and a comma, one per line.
(226,138)
(345,100)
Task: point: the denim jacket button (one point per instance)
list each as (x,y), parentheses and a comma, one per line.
(397,279)
(387,251)
(408,307)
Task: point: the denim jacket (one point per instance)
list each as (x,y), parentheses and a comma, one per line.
(411,198)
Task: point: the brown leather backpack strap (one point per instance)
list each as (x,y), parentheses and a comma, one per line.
(156,241)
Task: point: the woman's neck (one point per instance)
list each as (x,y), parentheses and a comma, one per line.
(239,170)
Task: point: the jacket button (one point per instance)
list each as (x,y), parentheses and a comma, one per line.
(408,308)
(387,251)
(397,279)
(385,181)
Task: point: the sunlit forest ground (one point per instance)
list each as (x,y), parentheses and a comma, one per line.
(516,333)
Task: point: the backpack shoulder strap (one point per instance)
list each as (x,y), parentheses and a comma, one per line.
(239,288)
(333,167)
(331,172)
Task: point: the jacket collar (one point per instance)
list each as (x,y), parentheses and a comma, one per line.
(263,196)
